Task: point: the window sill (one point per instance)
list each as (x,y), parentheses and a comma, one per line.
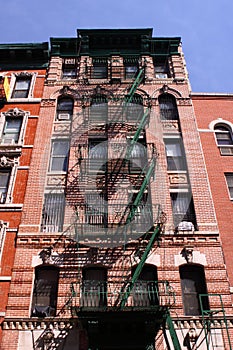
(11,207)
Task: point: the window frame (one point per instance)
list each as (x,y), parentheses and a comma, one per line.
(171,110)
(14,77)
(4,195)
(14,114)
(189,214)
(225,144)
(64,156)
(229,188)
(69,64)
(177,161)
(64,113)
(50,308)
(200,287)
(53,212)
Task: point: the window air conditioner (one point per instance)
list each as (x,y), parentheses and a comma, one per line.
(161,75)
(185,226)
(63,116)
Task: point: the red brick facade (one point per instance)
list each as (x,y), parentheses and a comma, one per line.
(98,301)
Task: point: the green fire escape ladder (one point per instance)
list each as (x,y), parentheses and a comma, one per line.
(138,270)
(208,318)
(172,331)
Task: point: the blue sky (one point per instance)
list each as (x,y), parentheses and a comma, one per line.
(205,27)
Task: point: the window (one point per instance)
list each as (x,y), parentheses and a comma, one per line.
(175,155)
(168,108)
(100,68)
(59,155)
(53,212)
(224,139)
(135,108)
(99,109)
(11,130)
(65,108)
(69,68)
(4,183)
(22,86)
(131,67)
(193,283)
(94,287)
(229,179)
(183,208)
(161,68)
(44,300)
(145,290)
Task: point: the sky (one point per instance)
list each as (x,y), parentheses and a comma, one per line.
(205,28)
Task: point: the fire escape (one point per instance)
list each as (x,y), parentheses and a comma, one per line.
(94,302)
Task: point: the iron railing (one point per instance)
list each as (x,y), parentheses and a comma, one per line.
(100,294)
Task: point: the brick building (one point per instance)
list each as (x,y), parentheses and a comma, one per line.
(119,245)
(214,120)
(23,69)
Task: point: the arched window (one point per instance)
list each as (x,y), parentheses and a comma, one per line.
(135,108)
(193,284)
(224,139)
(145,290)
(168,107)
(44,300)
(94,287)
(65,108)
(99,108)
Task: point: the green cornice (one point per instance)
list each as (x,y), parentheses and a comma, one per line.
(24,55)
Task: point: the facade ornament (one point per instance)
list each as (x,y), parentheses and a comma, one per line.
(187,253)
(23,74)
(7,162)
(15,112)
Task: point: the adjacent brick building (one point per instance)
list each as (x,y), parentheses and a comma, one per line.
(118,245)
(23,69)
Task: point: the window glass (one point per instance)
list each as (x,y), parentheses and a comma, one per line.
(168,108)
(229,178)
(4,182)
(94,287)
(193,284)
(223,135)
(175,155)
(59,156)
(11,130)
(22,86)
(44,299)
(53,212)
(183,208)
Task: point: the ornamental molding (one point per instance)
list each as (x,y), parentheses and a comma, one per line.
(24,74)
(15,112)
(6,162)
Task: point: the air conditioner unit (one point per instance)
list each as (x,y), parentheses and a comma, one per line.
(226,150)
(161,75)
(185,226)
(63,116)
